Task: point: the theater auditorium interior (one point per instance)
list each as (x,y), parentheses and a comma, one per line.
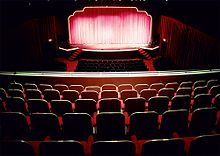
(109,77)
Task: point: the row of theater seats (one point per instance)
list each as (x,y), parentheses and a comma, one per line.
(93,115)
(121,65)
(201,145)
(158,97)
(108,125)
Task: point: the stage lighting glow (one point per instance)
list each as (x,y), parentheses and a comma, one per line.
(110,26)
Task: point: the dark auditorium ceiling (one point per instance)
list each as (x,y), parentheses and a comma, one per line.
(201,14)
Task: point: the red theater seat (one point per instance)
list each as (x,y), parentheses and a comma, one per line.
(136,104)
(60,107)
(144,125)
(173,85)
(85,106)
(77,126)
(180,102)
(148,93)
(110,126)
(14,126)
(120,147)
(51,94)
(109,94)
(90,94)
(174,121)
(33,94)
(61,87)
(157,86)
(78,88)
(109,105)
(128,94)
(163,147)
(16,104)
(45,126)
(125,87)
(16,147)
(158,104)
(71,95)
(205,145)
(61,148)
(42,87)
(203,121)
(202,101)
(38,106)
(140,87)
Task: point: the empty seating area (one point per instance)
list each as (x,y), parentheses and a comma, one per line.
(113,65)
(173,118)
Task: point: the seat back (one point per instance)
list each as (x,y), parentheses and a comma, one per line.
(203,121)
(128,94)
(85,106)
(144,125)
(61,87)
(124,147)
(16,85)
(42,87)
(16,147)
(216,103)
(109,94)
(169,92)
(60,107)
(16,104)
(110,126)
(33,94)
(173,85)
(125,87)
(163,147)
(157,86)
(215,90)
(30,86)
(78,88)
(184,91)
(187,84)
(71,95)
(14,126)
(148,93)
(174,121)
(109,87)
(15,93)
(140,87)
(202,101)
(136,104)
(90,94)
(180,102)
(158,104)
(45,125)
(51,94)
(205,145)
(109,105)
(212,82)
(95,88)
(200,90)
(77,126)
(199,83)
(60,148)
(38,106)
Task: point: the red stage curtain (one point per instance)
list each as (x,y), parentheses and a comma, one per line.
(110,25)
(187,47)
